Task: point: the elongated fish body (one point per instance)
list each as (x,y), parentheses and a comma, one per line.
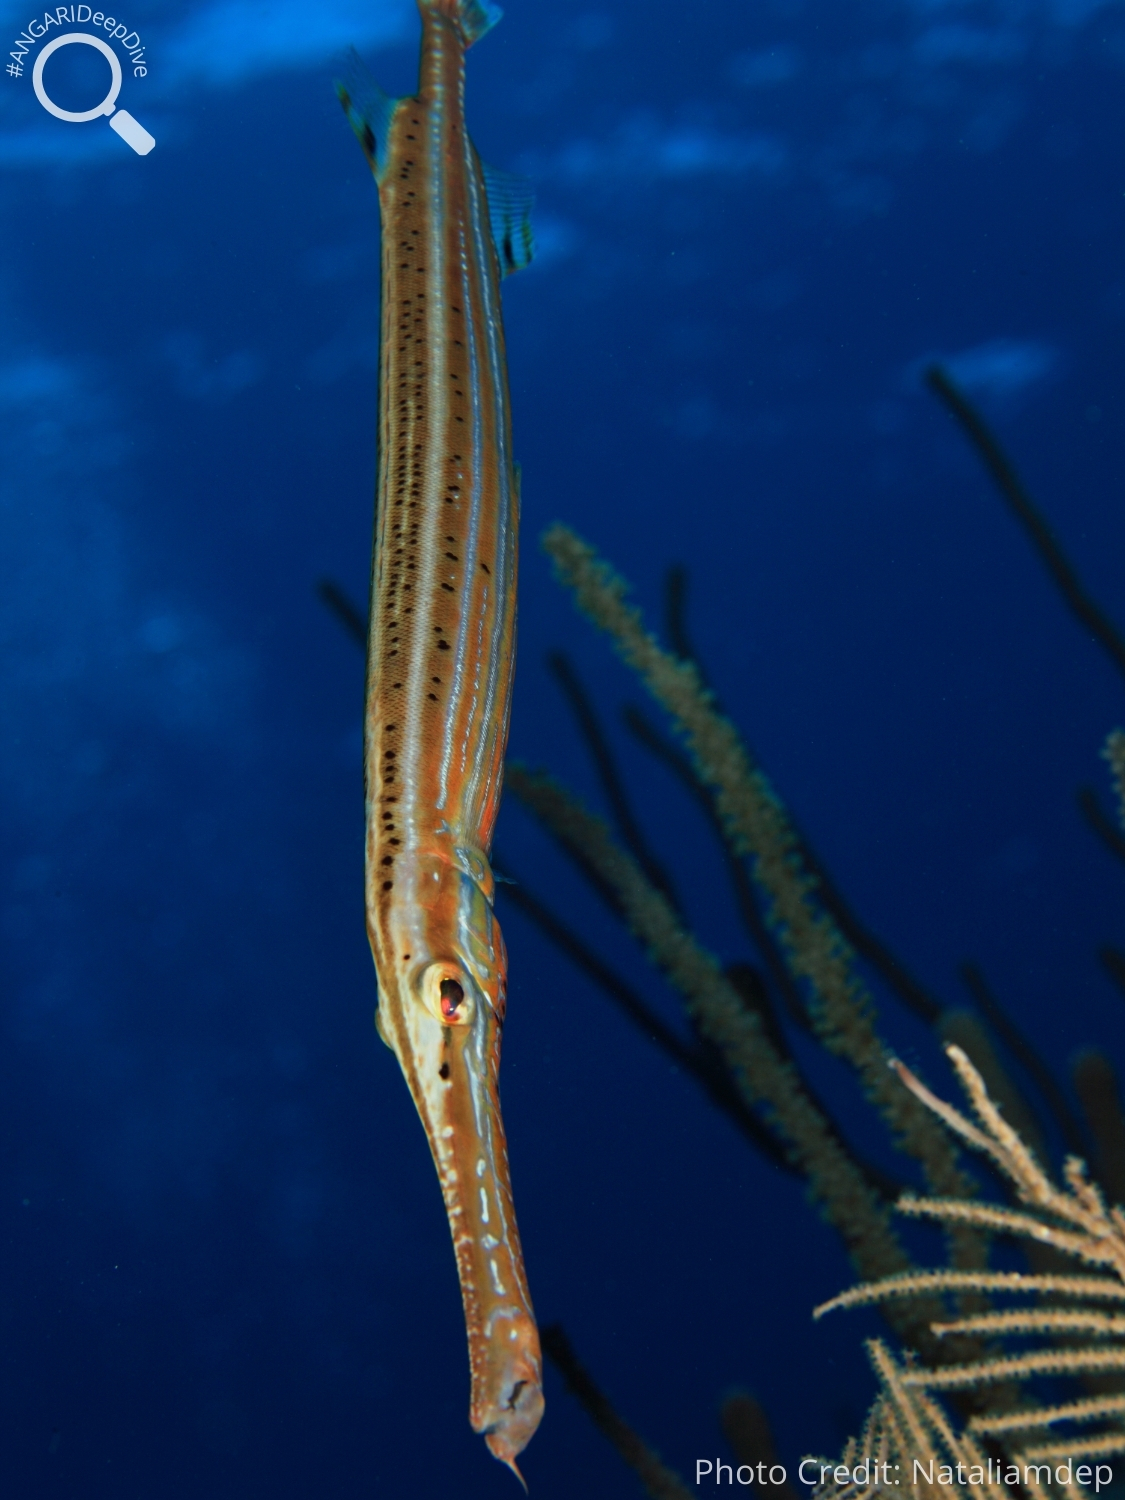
(439,677)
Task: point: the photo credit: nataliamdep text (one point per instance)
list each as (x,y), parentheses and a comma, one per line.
(870,1475)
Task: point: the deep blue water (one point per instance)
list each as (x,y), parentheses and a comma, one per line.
(225,1266)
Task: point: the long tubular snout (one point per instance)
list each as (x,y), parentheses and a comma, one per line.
(452,1070)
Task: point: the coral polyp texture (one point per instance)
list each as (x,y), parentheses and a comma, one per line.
(912,1443)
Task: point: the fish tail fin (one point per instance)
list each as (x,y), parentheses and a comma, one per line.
(369,110)
(473,17)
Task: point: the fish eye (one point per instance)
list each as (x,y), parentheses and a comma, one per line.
(446,995)
(452,996)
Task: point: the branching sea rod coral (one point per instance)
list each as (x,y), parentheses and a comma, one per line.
(766,1078)
(907,1427)
(956,1336)
(986,1385)
(757,824)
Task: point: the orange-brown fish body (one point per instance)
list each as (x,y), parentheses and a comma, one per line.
(439,674)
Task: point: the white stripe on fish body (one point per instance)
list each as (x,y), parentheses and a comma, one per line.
(481,728)
(471,539)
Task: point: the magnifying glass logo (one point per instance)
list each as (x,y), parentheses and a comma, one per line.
(132,133)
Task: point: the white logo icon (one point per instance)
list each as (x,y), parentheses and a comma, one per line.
(132,133)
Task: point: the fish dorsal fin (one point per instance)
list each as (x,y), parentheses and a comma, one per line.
(369,111)
(510,200)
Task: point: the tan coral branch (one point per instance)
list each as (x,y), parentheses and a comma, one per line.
(1044,1416)
(913,1283)
(1031,1320)
(1075,1448)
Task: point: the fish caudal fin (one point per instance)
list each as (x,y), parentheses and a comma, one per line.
(473,17)
(369,111)
(510,200)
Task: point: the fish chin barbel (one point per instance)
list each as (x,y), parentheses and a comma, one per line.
(440,659)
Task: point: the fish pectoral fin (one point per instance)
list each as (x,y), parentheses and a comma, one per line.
(369,110)
(510,200)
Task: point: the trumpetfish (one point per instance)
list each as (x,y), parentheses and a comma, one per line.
(440,657)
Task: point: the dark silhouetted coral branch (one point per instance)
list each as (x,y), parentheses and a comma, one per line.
(1095,1083)
(699,1064)
(747,1429)
(764,1077)
(1113,961)
(675,616)
(752,919)
(1100,821)
(1027,1057)
(1027,513)
(867,944)
(661,1482)
(967,1029)
(352,619)
(614,788)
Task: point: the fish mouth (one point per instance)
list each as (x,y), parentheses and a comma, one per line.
(513,1429)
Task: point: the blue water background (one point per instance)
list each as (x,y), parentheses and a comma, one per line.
(224,1265)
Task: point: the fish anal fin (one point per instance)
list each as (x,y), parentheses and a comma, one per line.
(369,110)
(510,200)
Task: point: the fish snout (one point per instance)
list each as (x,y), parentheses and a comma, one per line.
(510,1420)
